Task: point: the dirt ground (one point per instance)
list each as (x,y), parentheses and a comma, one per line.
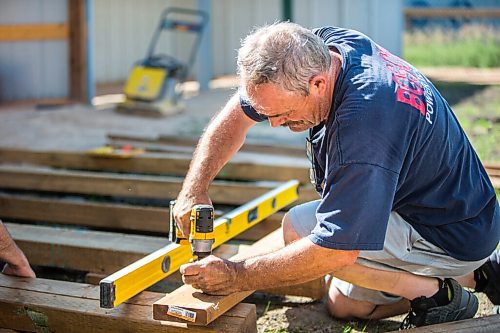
(83,127)
(297,315)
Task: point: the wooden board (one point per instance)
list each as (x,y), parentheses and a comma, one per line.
(55,306)
(84,250)
(489,324)
(23,32)
(106,216)
(208,307)
(103,253)
(170,142)
(88,250)
(452,12)
(242,166)
(84,213)
(22,177)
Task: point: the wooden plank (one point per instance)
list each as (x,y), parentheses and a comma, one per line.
(85,250)
(106,216)
(93,251)
(209,307)
(488,324)
(127,185)
(421,12)
(245,167)
(171,141)
(493,172)
(39,103)
(77,51)
(102,253)
(55,306)
(110,216)
(242,166)
(23,32)
(492,165)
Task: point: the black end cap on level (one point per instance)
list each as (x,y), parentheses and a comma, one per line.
(107,294)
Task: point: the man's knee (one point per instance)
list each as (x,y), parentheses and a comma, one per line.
(289,233)
(345,308)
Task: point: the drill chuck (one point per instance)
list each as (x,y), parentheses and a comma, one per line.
(202,247)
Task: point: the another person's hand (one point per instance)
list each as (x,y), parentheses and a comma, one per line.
(16,262)
(182,210)
(21,270)
(212,275)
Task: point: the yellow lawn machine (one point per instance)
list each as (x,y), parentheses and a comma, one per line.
(153,85)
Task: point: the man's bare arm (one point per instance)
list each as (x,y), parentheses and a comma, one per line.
(16,262)
(222,139)
(298,262)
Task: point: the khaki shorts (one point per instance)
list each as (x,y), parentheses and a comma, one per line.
(404,250)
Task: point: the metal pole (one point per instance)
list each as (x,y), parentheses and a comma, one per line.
(89,11)
(205,66)
(286,6)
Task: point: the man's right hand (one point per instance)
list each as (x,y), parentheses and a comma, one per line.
(182,211)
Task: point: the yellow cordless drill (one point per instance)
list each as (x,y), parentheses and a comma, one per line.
(201,235)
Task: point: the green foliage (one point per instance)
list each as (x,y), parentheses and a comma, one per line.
(470,46)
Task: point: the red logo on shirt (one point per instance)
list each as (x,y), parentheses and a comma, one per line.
(409,87)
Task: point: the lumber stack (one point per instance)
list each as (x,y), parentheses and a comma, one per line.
(40,305)
(71,210)
(96,215)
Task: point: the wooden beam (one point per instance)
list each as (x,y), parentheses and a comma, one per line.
(24,32)
(246,167)
(488,324)
(243,167)
(88,250)
(420,12)
(106,216)
(127,185)
(109,216)
(77,51)
(207,308)
(85,250)
(102,253)
(176,142)
(39,305)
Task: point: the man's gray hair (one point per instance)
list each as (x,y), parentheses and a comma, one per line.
(285,54)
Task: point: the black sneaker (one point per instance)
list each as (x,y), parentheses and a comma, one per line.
(425,311)
(488,278)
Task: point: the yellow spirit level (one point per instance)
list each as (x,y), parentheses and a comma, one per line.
(131,280)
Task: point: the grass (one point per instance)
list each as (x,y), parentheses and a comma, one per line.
(476,107)
(469,46)
(478,111)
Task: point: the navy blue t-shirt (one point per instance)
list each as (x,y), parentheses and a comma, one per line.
(392,143)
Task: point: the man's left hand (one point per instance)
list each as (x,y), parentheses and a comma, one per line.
(214,276)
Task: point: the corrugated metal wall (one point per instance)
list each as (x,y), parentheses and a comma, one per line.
(382,20)
(33,69)
(123,28)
